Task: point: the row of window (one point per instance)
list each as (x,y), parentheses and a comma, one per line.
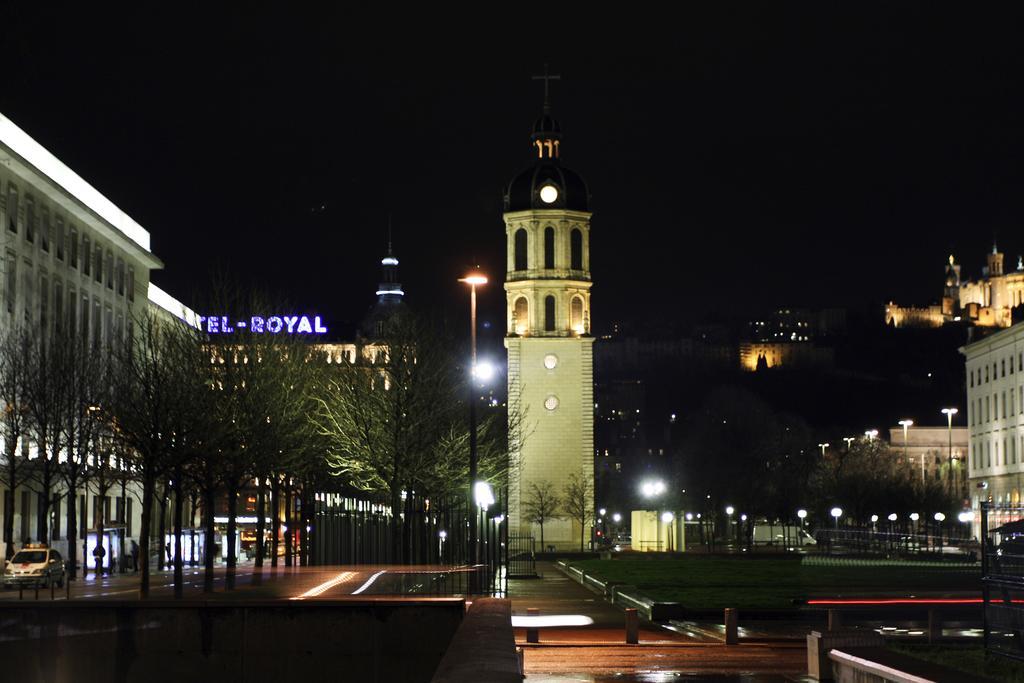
(998,369)
(94,261)
(521,314)
(88,317)
(30,502)
(522,243)
(997,406)
(1004,451)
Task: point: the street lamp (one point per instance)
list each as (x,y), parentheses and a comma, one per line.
(823,446)
(836,513)
(802,514)
(729,509)
(849,440)
(483,371)
(474,280)
(871,434)
(906,423)
(949,413)
(616,518)
(652,488)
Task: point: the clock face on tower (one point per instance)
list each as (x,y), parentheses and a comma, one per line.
(549,194)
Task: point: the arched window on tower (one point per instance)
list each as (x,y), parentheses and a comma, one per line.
(549,247)
(549,313)
(520,247)
(576,315)
(576,249)
(521,316)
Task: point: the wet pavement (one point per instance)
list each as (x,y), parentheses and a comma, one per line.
(598,652)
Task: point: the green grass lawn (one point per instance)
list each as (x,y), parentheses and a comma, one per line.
(716,582)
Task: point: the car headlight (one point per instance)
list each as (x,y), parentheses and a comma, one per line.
(37,571)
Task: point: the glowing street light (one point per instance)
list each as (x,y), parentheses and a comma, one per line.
(849,440)
(729,509)
(802,514)
(602,512)
(893,517)
(940,517)
(836,513)
(483,371)
(914,516)
(871,434)
(667,517)
(823,446)
(652,488)
(474,280)
(949,413)
(483,495)
(616,518)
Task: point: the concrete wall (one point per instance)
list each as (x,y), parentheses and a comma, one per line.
(359,640)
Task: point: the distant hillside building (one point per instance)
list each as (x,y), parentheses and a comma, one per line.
(987,302)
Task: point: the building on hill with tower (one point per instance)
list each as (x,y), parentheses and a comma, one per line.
(550,347)
(986,302)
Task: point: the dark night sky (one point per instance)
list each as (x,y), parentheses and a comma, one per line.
(737,159)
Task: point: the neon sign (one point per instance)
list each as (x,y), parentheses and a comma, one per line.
(274,324)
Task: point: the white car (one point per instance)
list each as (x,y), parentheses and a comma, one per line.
(35,565)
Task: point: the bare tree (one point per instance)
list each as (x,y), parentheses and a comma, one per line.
(542,505)
(156,385)
(578,502)
(384,415)
(14,422)
(85,373)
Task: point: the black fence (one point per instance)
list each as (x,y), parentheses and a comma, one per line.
(522,557)
(1002,578)
(937,541)
(433,533)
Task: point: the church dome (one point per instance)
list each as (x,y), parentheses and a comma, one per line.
(547,185)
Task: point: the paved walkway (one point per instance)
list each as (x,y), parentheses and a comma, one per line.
(598,652)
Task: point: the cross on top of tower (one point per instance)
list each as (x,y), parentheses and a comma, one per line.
(547,78)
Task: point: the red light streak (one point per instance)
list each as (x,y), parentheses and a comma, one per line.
(907,601)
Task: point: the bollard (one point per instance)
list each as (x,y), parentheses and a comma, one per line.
(731,628)
(835,620)
(522,661)
(934,626)
(532,634)
(632,626)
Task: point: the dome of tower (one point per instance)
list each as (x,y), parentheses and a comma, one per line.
(547,185)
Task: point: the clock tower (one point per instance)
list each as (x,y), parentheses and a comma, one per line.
(550,348)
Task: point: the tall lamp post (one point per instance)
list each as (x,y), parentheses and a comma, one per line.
(474,280)
(949,413)
(823,446)
(905,424)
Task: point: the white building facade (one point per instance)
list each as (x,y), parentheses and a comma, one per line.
(995,416)
(68,255)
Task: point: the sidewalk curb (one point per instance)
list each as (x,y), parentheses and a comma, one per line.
(623,595)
